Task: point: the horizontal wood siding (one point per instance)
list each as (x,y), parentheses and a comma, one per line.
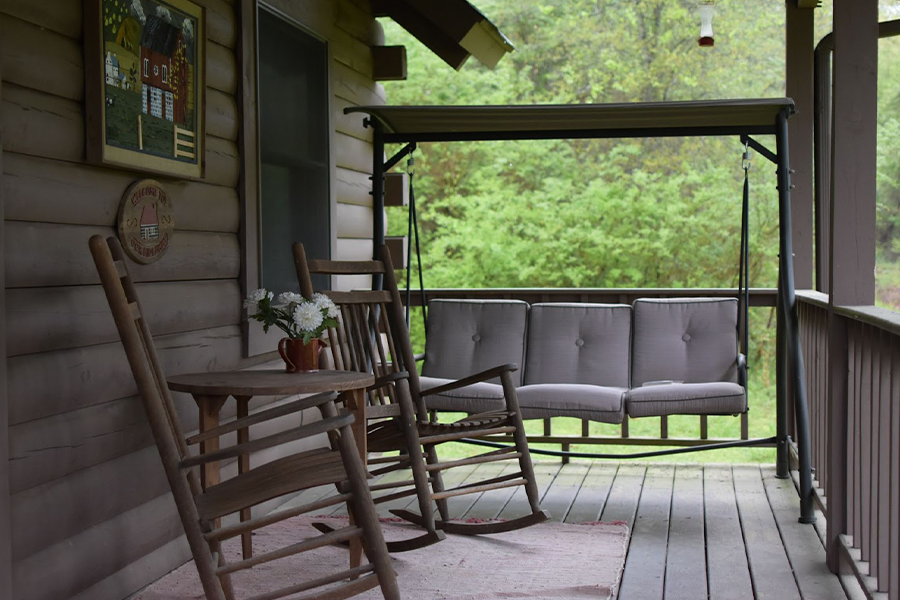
(76,425)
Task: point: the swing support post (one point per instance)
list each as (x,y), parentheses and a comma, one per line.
(788,303)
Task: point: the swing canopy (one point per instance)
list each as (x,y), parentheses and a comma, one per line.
(648,119)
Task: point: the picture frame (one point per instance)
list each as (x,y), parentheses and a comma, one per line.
(145,80)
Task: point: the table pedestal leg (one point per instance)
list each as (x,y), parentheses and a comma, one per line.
(243,436)
(209,419)
(356,402)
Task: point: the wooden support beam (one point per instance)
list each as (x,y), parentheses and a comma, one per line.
(397,246)
(853,159)
(799,87)
(5,534)
(396,189)
(389,63)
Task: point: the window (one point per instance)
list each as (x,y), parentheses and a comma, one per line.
(165,78)
(146,67)
(295,196)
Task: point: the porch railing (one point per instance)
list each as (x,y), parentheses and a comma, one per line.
(853,387)
(759,297)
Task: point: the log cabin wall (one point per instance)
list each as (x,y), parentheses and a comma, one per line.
(91,516)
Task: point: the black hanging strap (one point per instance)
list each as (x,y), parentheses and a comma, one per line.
(413,230)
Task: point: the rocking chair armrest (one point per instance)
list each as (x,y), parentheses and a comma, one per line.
(343,418)
(263,416)
(476,378)
(388,379)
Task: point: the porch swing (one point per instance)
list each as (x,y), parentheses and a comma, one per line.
(744,118)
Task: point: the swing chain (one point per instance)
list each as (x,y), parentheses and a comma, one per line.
(411,164)
(745,158)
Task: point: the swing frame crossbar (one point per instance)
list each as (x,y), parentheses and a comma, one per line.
(744,118)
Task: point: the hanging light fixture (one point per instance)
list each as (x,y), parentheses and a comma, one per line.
(707,10)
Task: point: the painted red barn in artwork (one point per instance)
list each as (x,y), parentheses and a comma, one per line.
(164,71)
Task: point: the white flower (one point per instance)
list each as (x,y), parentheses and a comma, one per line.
(308,317)
(325,304)
(256,297)
(288,297)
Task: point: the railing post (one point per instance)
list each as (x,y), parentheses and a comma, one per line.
(852,227)
(836,423)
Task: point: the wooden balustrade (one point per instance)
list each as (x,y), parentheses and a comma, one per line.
(856,450)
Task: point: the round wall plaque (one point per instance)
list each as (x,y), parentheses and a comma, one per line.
(146,221)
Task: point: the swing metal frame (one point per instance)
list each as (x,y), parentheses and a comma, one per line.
(744,118)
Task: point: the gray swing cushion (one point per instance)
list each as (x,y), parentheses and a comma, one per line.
(577,361)
(685,358)
(579,343)
(476,398)
(465,337)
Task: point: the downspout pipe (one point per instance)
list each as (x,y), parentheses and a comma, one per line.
(377,193)
(822,144)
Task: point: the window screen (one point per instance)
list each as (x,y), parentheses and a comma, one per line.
(294,160)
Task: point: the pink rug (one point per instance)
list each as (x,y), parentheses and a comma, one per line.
(545,561)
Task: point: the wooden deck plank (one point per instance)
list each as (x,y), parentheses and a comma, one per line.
(544,475)
(686,557)
(559,498)
(452,478)
(801,542)
(645,567)
(770,569)
(488,505)
(624,494)
(728,570)
(592,495)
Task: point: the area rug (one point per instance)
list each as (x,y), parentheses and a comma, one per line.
(545,561)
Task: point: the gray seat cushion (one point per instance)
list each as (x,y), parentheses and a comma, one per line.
(465,337)
(582,401)
(693,340)
(476,398)
(717,398)
(579,343)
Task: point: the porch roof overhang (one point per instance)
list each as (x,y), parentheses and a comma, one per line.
(452,29)
(646,119)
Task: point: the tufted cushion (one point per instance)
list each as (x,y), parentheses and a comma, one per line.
(717,398)
(465,337)
(593,402)
(579,343)
(693,340)
(476,398)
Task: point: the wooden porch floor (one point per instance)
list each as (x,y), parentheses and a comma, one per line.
(697,531)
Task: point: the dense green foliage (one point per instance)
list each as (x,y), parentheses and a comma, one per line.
(616,213)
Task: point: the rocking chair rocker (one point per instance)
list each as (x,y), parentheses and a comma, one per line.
(373,337)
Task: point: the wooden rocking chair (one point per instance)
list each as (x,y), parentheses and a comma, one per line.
(373,337)
(200,510)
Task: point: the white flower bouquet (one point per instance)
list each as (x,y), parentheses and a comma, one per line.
(296,316)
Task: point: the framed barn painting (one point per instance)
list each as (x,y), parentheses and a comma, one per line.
(144,65)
